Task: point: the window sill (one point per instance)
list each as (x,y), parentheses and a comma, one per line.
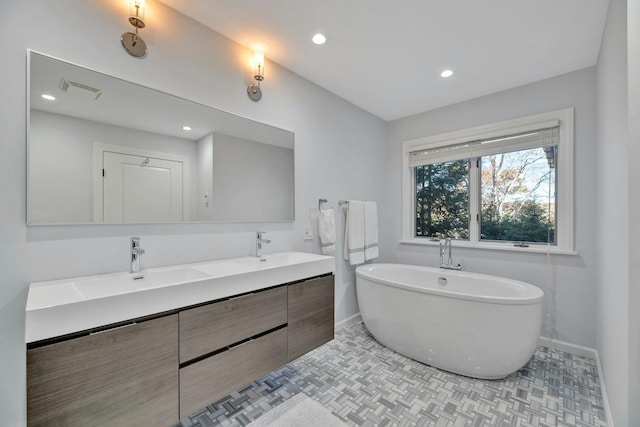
(493,247)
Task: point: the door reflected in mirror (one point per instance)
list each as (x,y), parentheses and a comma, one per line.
(106,151)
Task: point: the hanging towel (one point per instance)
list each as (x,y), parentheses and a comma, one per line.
(327,231)
(370,230)
(354,233)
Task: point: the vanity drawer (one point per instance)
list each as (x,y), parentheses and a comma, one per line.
(214,326)
(210,379)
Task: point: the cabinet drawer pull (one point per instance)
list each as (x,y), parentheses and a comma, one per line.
(113,329)
(242,296)
(240,344)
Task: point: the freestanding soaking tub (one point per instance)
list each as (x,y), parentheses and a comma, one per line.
(470,324)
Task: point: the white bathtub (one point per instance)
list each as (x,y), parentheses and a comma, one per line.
(475,325)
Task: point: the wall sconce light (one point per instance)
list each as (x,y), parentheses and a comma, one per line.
(132,42)
(253,90)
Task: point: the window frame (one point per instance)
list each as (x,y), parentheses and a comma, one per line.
(564,185)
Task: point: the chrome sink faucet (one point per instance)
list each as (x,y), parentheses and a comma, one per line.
(259,242)
(136,251)
(449,265)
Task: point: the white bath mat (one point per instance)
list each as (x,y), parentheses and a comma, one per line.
(299,411)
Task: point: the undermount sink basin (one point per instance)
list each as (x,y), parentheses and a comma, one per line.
(67,306)
(99,288)
(275,260)
(83,289)
(222,269)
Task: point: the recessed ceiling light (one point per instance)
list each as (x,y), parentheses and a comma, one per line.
(446,73)
(186,128)
(48,97)
(319,38)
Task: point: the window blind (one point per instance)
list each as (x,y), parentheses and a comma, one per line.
(544,137)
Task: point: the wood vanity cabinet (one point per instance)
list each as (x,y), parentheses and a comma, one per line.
(120,377)
(310,315)
(157,371)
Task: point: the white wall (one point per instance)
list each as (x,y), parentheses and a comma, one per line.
(338,148)
(612,209)
(572,277)
(61,164)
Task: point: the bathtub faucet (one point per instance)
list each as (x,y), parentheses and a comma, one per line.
(449,265)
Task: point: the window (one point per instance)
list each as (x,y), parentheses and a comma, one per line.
(504,185)
(517,196)
(442,200)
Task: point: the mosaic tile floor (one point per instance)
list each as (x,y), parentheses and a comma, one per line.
(365,384)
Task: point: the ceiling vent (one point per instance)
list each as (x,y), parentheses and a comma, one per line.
(80,90)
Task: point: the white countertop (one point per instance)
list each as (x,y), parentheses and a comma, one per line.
(60,307)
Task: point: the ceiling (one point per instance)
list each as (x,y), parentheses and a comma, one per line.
(386,56)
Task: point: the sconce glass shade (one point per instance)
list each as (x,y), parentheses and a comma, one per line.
(136,13)
(258,58)
(253,91)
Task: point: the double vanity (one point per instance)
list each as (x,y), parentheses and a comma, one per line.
(113,350)
(153,346)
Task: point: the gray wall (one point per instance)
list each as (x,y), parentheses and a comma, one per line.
(188,60)
(569,280)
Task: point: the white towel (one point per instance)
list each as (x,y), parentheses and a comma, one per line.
(354,233)
(327,231)
(370,230)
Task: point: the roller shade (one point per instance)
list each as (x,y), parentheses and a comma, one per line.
(543,137)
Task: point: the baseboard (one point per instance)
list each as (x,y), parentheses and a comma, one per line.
(348,322)
(591,353)
(579,350)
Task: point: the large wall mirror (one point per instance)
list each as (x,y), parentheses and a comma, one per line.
(108,151)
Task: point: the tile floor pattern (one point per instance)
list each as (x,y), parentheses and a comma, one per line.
(365,384)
